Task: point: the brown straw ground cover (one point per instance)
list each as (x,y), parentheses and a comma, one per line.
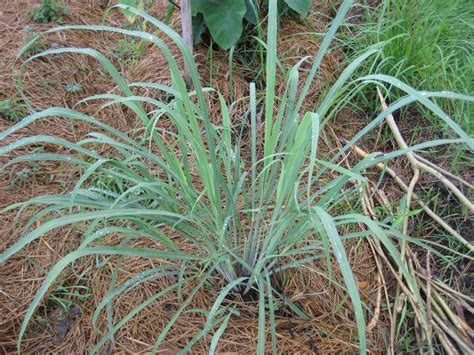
(63,322)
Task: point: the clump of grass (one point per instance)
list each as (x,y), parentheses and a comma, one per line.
(244,214)
(427,43)
(49,11)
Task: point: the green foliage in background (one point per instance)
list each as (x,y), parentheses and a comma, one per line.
(49,11)
(226,19)
(427,43)
(245,209)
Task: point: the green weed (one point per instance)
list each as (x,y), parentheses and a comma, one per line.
(12,109)
(129,50)
(49,11)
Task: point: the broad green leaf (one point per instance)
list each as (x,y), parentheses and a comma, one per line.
(300,6)
(251,15)
(224,20)
(197,6)
(198,27)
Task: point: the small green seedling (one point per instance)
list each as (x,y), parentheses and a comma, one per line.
(73,87)
(49,11)
(11,110)
(66,296)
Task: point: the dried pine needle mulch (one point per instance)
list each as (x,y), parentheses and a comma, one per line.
(331,328)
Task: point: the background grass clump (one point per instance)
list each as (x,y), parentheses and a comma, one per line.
(427,43)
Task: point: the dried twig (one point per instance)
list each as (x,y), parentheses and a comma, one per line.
(442,171)
(417,199)
(439,320)
(438,313)
(419,165)
(378,302)
(187,25)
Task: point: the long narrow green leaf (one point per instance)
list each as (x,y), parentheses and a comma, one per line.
(81,217)
(261,337)
(64,262)
(270,73)
(349,280)
(218,334)
(323,48)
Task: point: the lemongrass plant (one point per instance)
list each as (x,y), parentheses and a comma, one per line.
(246,219)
